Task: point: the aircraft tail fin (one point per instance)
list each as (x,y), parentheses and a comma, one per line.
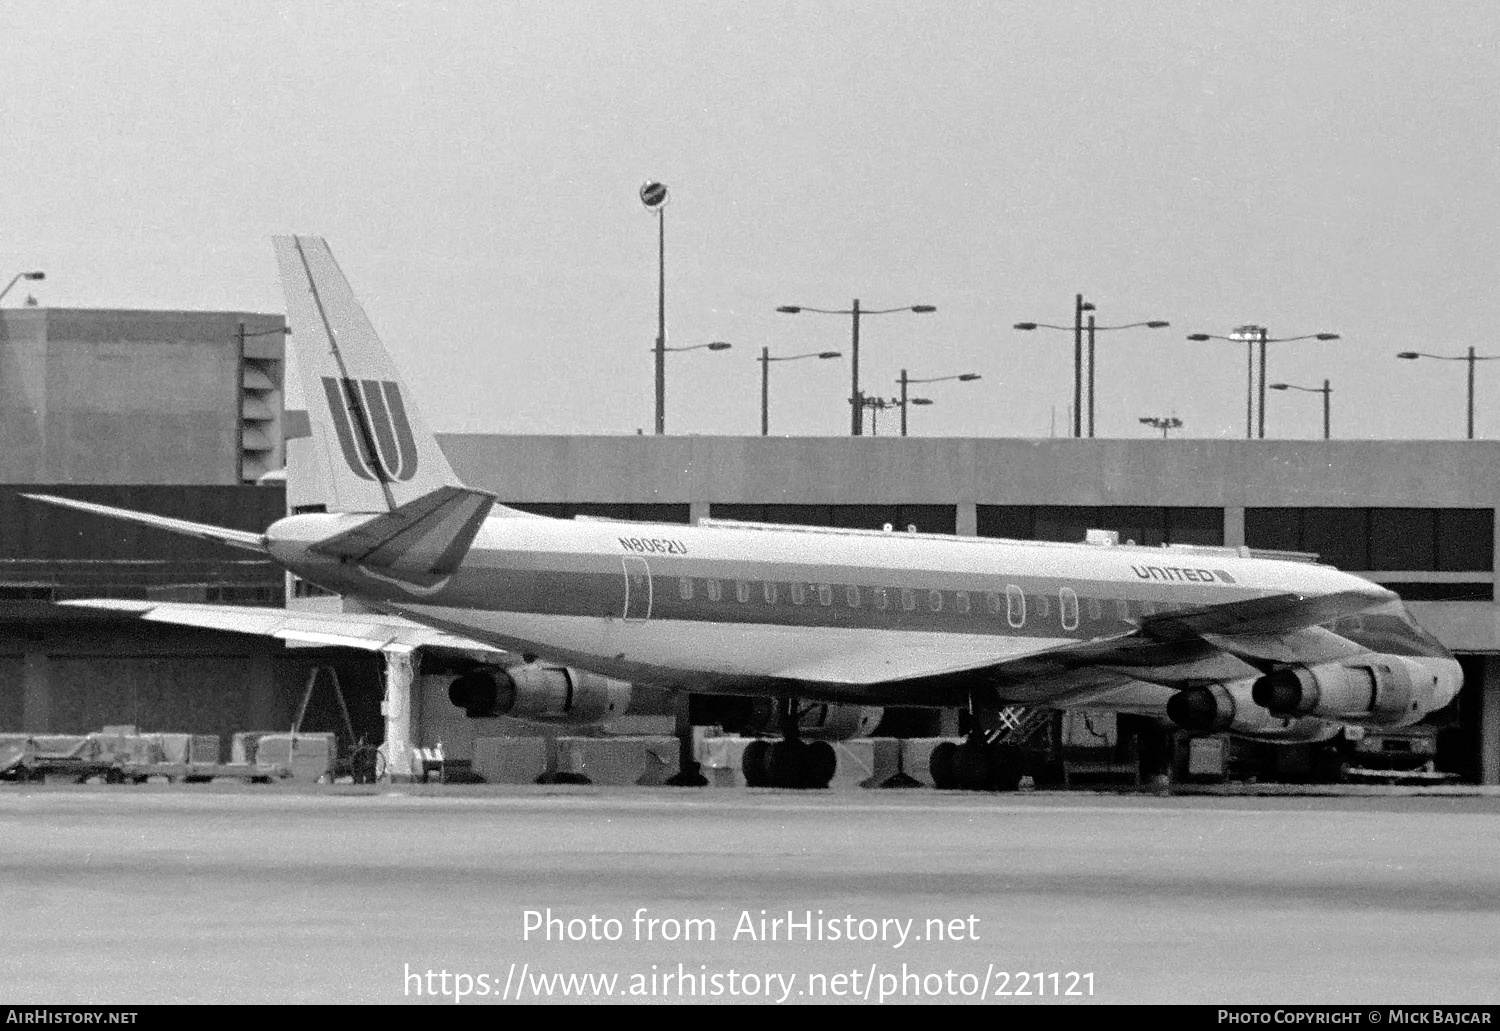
(421,542)
(375,450)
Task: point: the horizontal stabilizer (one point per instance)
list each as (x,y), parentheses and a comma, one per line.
(203,531)
(422,541)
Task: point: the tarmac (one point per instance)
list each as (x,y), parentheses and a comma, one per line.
(146,894)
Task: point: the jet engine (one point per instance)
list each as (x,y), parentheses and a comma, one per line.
(1230,707)
(759,717)
(547,694)
(1377,690)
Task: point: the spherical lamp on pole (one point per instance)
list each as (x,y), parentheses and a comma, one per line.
(654,196)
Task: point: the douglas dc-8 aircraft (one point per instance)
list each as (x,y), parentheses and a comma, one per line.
(1219,639)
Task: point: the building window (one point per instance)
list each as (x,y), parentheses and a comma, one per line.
(1015,606)
(1068,602)
(1466,540)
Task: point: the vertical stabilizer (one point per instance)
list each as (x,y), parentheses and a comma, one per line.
(375,450)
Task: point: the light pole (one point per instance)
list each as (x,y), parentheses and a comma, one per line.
(18,277)
(1252,335)
(1471,358)
(963,377)
(1079,307)
(1325,390)
(654,196)
(765,360)
(856,427)
(1163,423)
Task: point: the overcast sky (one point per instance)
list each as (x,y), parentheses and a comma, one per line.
(1308,166)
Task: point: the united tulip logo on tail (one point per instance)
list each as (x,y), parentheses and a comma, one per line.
(373,430)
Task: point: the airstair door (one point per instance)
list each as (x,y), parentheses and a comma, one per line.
(637,589)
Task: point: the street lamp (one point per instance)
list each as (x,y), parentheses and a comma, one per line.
(765,360)
(654,196)
(1325,390)
(965,377)
(1252,335)
(1163,423)
(1471,358)
(856,406)
(18,277)
(1079,307)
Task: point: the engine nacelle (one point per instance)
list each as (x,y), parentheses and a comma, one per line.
(1377,690)
(547,694)
(759,717)
(1230,707)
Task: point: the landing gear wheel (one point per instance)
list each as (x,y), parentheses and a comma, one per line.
(940,764)
(983,767)
(785,764)
(822,764)
(753,764)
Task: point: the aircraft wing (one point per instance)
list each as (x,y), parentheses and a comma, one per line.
(1180,649)
(371,631)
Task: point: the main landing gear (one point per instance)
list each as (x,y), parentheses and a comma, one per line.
(790,762)
(984,762)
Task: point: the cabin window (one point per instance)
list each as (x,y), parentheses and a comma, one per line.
(881,601)
(908,599)
(799,594)
(741,591)
(1122,609)
(714,589)
(825,594)
(992,602)
(1015,606)
(961,601)
(768,589)
(685,588)
(1148,608)
(935,601)
(851,595)
(1067,601)
(1096,610)
(1043,606)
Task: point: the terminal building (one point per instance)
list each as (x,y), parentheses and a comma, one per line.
(180,413)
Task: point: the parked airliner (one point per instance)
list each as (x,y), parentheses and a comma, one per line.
(1219,639)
